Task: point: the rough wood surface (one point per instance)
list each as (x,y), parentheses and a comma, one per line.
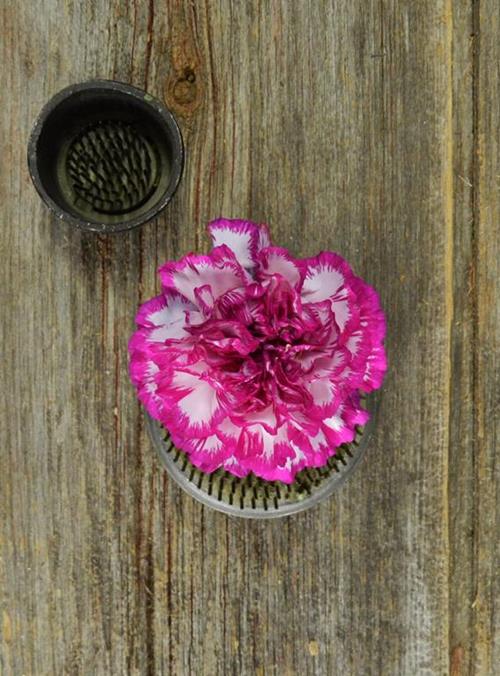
(371,128)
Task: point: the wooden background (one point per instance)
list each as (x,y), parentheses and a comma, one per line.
(370,127)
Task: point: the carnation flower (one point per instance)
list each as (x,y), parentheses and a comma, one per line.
(254,360)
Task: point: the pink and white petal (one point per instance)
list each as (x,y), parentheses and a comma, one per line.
(332,365)
(151,312)
(208,453)
(301,438)
(139,342)
(277,261)
(286,473)
(148,397)
(341,427)
(173,353)
(323,450)
(371,315)
(223,255)
(173,331)
(318,314)
(354,413)
(233,305)
(307,359)
(163,310)
(233,466)
(376,366)
(359,346)
(163,318)
(192,407)
(315,447)
(165,343)
(150,394)
(242,237)
(228,432)
(371,330)
(195,317)
(322,391)
(193,272)
(337,430)
(344,308)
(266,417)
(145,374)
(264,453)
(325,275)
(205,299)
(305,422)
(326,395)
(227,337)
(142,369)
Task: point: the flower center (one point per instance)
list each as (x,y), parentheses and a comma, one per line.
(254,349)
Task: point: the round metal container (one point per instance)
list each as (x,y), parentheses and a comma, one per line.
(105,156)
(254,498)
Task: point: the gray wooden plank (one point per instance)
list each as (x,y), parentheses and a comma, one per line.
(461,476)
(344,126)
(486,523)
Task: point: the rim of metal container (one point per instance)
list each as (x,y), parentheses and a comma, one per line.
(177,160)
(325,490)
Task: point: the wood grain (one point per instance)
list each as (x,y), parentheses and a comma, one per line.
(486,569)
(370,128)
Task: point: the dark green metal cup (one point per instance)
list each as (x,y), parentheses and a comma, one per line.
(105,156)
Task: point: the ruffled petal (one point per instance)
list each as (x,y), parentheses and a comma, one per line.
(372,361)
(164,317)
(191,405)
(266,454)
(315,448)
(244,238)
(276,261)
(376,366)
(144,374)
(326,395)
(233,466)
(208,453)
(265,417)
(328,277)
(293,464)
(194,272)
(326,274)
(163,310)
(340,428)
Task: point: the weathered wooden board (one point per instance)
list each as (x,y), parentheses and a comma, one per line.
(486,369)
(371,128)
